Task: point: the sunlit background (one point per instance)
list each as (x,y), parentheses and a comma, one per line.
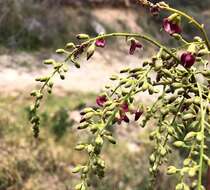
(31,31)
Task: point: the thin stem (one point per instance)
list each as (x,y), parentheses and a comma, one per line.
(136,35)
(202,125)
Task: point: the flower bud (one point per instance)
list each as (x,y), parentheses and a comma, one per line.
(192,172)
(190,135)
(70,45)
(80,147)
(82,36)
(171,170)
(49,61)
(83,125)
(188,116)
(60,51)
(199,137)
(99,140)
(42,79)
(85,170)
(114,77)
(77,169)
(179,144)
(90,51)
(125,70)
(111,139)
(145,86)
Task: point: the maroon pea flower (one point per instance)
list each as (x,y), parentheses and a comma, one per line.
(123,117)
(138,114)
(171,27)
(124,107)
(100,100)
(134,45)
(187,59)
(100,42)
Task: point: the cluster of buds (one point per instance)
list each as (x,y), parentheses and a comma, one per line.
(181,110)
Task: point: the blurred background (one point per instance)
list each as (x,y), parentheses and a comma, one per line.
(30,31)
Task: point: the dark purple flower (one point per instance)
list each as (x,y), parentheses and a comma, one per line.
(171,27)
(138,114)
(124,117)
(124,107)
(187,59)
(155,10)
(100,100)
(134,44)
(100,42)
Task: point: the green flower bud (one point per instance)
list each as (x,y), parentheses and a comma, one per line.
(33,93)
(77,169)
(88,115)
(49,61)
(90,148)
(198,39)
(188,116)
(145,63)
(78,186)
(70,45)
(90,51)
(199,137)
(114,77)
(203,52)
(171,170)
(163,151)
(39,96)
(192,172)
(83,125)
(145,86)
(174,17)
(62,76)
(42,79)
(123,81)
(83,36)
(190,135)
(60,51)
(128,84)
(187,161)
(192,48)
(86,110)
(50,84)
(158,64)
(177,36)
(101,163)
(80,147)
(206,73)
(125,70)
(57,65)
(99,140)
(93,128)
(180,186)
(152,158)
(111,139)
(85,169)
(35,119)
(177,85)
(179,144)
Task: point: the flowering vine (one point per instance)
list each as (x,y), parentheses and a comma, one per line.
(181,110)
